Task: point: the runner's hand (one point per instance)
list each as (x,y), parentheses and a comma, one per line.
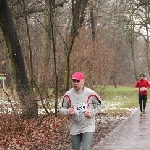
(145,89)
(71,110)
(88,114)
(136,90)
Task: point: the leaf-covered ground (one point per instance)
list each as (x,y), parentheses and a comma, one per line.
(48,132)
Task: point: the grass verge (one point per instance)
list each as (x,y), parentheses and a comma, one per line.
(119,100)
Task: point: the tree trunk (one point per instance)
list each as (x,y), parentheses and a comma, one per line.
(92,20)
(78,13)
(29,105)
(29,46)
(53,39)
(132,37)
(46,54)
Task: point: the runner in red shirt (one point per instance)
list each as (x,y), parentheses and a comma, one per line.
(141,87)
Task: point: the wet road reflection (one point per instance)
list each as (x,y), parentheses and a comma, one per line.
(132,134)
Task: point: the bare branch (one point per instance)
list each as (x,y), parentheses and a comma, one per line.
(37,9)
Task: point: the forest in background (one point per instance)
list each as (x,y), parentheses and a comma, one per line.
(43,42)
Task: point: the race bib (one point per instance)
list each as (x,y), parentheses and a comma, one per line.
(79,108)
(142,89)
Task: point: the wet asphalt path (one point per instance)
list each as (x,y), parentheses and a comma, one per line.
(132,134)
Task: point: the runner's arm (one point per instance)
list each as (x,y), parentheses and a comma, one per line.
(65,105)
(98,104)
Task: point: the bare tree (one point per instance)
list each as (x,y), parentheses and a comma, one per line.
(78,13)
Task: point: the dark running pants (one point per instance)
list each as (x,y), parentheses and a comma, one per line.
(84,138)
(142,101)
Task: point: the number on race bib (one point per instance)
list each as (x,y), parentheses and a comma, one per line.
(142,89)
(81,107)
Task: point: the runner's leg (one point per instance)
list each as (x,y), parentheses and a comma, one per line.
(87,138)
(76,141)
(144,101)
(140,102)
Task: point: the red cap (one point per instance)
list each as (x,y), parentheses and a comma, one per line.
(78,76)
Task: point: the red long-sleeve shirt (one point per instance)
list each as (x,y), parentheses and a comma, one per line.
(141,84)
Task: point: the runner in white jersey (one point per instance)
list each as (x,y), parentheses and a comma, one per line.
(82,104)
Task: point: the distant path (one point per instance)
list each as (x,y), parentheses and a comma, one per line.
(132,134)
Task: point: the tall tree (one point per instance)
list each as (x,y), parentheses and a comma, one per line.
(29,46)
(78,16)
(29,105)
(46,54)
